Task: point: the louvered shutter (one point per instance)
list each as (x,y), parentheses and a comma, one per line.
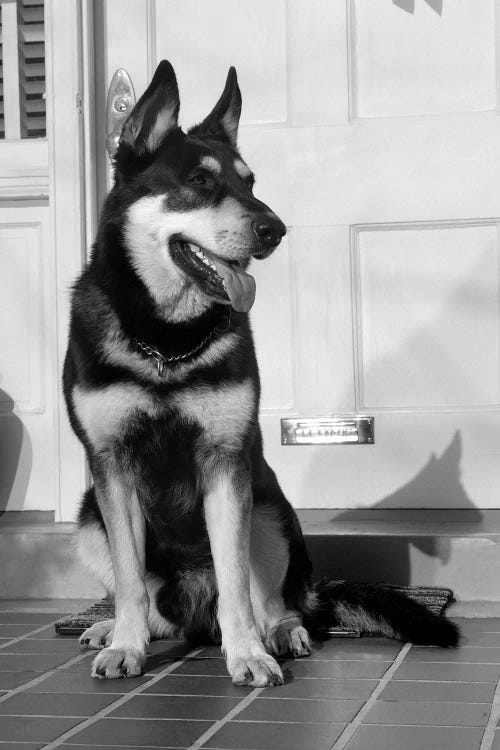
(23,69)
(31,40)
(2,123)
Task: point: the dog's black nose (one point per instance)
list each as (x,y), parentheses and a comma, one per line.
(269,231)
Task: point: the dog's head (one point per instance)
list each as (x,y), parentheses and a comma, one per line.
(192,222)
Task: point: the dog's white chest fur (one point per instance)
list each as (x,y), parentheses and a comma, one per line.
(223,412)
(105,413)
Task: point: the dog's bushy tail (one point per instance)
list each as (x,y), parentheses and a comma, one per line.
(377,609)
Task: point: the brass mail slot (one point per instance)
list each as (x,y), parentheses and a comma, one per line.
(355,430)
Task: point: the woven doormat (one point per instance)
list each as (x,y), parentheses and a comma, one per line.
(434,598)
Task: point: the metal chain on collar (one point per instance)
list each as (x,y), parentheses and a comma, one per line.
(162,362)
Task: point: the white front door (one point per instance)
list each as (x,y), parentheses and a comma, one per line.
(373,132)
(41,250)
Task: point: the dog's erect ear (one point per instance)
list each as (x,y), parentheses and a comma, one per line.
(155,114)
(222,122)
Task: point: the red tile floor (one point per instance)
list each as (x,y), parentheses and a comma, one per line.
(359,694)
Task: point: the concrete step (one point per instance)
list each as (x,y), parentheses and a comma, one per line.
(458,549)
(38,559)
(455,548)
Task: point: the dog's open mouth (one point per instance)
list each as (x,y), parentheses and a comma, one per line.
(222,280)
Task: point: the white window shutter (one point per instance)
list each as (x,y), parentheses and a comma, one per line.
(2,121)
(31,39)
(22,71)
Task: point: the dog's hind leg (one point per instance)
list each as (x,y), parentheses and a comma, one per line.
(99,635)
(94,552)
(159,626)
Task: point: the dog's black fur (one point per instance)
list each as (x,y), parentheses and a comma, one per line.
(151,431)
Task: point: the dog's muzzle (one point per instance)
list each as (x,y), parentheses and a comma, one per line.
(269,231)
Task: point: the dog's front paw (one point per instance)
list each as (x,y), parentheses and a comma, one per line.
(289,637)
(111,663)
(259,670)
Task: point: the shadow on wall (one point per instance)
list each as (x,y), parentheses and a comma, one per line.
(16,456)
(409,5)
(387,559)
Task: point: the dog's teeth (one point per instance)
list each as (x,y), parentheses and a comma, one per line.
(201,255)
(208,262)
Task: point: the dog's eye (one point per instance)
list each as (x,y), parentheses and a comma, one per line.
(198,179)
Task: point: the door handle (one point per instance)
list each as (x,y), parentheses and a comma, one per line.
(119,104)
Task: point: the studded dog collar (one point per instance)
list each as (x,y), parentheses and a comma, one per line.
(161,361)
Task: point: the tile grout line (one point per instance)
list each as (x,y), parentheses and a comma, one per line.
(489,732)
(351,729)
(221,722)
(119,702)
(28,635)
(41,677)
(197,744)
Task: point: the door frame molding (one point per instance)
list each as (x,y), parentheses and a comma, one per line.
(68,117)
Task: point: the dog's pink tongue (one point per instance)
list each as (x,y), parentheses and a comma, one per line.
(240,286)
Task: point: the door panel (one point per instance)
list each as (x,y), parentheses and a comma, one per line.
(197,36)
(274,280)
(438,59)
(324,319)
(373,132)
(21,312)
(28,439)
(41,249)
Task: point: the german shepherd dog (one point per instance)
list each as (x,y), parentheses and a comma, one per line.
(186,524)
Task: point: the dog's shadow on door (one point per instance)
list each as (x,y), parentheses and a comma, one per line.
(409,5)
(16,456)
(364,549)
